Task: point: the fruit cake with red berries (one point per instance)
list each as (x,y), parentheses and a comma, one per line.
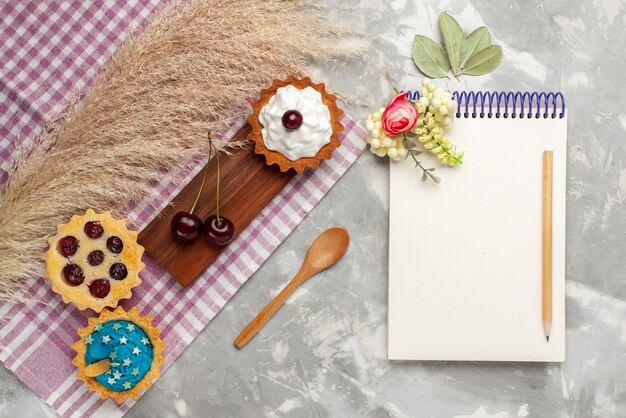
(94,261)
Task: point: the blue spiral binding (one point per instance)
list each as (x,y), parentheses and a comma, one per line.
(503,102)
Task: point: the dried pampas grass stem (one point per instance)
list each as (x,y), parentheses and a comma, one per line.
(194,68)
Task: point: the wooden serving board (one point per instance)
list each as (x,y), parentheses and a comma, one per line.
(247,185)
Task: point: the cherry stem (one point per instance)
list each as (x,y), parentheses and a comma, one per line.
(206,171)
(217,190)
(213,150)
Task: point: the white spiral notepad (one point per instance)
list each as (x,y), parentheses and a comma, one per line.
(465,256)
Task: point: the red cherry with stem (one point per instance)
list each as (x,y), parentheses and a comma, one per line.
(186,227)
(100,288)
(292,119)
(218,231)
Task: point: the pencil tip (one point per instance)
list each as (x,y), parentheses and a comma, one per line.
(547,338)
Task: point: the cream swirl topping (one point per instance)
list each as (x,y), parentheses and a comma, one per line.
(305,141)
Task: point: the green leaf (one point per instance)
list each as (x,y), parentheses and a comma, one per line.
(408,144)
(453,39)
(475,42)
(483,62)
(429,57)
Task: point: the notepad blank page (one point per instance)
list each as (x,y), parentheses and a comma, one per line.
(465,255)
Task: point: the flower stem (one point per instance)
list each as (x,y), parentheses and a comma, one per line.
(424,170)
(206,171)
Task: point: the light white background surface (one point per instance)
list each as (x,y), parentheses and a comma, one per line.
(324,354)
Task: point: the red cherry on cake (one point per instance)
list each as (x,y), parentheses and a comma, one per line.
(115,244)
(73,274)
(218,233)
(186,226)
(95,258)
(93,229)
(99,288)
(292,119)
(118,271)
(67,246)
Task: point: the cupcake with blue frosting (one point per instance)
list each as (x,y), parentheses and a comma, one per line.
(119,354)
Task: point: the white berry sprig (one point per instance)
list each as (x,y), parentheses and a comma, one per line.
(380,143)
(438,101)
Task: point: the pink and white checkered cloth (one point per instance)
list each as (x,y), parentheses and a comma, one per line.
(46,50)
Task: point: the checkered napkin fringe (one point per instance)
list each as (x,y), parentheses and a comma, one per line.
(46,51)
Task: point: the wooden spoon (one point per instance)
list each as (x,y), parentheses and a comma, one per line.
(325,251)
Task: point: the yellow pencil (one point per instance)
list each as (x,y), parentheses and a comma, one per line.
(547,243)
